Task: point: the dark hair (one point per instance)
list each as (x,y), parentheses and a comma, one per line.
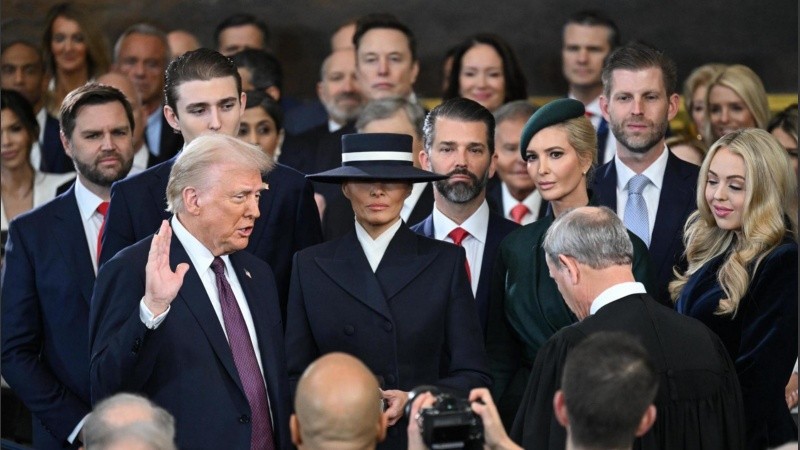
(384,20)
(97,53)
(35,48)
(462,109)
(786,120)
(265,101)
(639,56)
(512,72)
(264,67)
(201,64)
(608,382)
(238,20)
(90,94)
(22,108)
(592,18)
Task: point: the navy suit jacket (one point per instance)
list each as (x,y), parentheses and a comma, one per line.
(678,200)
(289,218)
(186,365)
(315,150)
(497,230)
(46,289)
(412,322)
(54,159)
(169,144)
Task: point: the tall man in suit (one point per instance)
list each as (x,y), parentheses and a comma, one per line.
(204,96)
(513,193)
(205,340)
(50,268)
(699,403)
(459,143)
(651,189)
(142,53)
(588,37)
(22,70)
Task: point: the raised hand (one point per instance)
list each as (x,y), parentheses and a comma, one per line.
(161,283)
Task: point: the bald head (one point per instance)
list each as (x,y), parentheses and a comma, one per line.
(337,405)
(128,89)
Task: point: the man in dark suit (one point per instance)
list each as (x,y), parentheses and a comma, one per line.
(320,148)
(651,189)
(204,96)
(50,268)
(22,70)
(204,341)
(141,53)
(699,403)
(388,115)
(459,143)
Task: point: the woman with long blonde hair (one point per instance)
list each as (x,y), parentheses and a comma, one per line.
(741,281)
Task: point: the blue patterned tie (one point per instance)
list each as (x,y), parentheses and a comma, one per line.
(636,218)
(244,357)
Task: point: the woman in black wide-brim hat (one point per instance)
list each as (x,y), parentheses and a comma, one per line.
(398,301)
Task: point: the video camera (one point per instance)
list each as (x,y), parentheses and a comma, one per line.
(450,423)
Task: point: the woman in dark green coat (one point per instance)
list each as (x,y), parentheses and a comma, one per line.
(560,147)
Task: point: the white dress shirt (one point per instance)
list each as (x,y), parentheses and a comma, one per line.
(374,249)
(651,193)
(91,219)
(477,225)
(411,201)
(140,159)
(533,201)
(615,293)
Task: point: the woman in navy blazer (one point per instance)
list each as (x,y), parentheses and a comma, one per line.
(398,301)
(741,246)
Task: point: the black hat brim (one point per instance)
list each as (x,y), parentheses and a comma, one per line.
(380,172)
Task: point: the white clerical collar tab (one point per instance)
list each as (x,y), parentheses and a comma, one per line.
(376,156)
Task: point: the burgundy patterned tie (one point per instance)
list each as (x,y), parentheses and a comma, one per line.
(246,363)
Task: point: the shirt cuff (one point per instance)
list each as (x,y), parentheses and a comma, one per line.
(74,435)
(148,319)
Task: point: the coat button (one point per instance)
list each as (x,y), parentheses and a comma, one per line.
(387,326)
(137,344)
(244,418)
(349,330)
(390,379)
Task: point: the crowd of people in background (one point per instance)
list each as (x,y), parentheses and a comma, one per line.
(192,258)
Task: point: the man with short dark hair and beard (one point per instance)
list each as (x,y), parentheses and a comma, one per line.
(650,188)
(459,143)
(51,264)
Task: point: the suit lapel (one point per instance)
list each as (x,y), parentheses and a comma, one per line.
(71,238)
(493,238)
(423,207)
(605,186)
(676,196)
(158,186)
(402,262)
(257,302)
(351,271)
(194,295)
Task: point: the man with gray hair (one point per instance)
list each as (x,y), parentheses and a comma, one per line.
(142,54)
(388,115)
(699,404)
(192,322)
(118,412)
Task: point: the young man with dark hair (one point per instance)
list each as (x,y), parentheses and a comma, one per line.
(50,269)
(386,57)
(241,31)
(459,143)
(204,95)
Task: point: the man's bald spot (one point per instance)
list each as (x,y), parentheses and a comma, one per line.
(338,401)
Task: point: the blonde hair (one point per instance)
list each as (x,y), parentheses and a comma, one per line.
(769,215)
(194,164)
(748,86)
(582,136)
(700,76)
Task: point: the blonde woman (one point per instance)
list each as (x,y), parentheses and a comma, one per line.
(741,281)
(736,99)
(695,91)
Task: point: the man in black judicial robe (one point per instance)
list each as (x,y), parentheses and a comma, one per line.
(699,402)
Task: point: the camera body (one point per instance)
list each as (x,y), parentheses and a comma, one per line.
(450,423)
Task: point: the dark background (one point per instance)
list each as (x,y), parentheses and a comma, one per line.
(760,34)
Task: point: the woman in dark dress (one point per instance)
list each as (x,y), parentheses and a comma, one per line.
(741,281)
(525,310)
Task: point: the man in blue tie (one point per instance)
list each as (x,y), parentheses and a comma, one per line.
(651,189)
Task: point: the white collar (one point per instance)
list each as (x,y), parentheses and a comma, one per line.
(333,126)
(533,201)
(199,254)
(87,200)
(476,225)
(374,249)
(615,293)
(654,172)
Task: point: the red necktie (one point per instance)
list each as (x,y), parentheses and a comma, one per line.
(244,357)
(102,208)
(458,235)
(518,212)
